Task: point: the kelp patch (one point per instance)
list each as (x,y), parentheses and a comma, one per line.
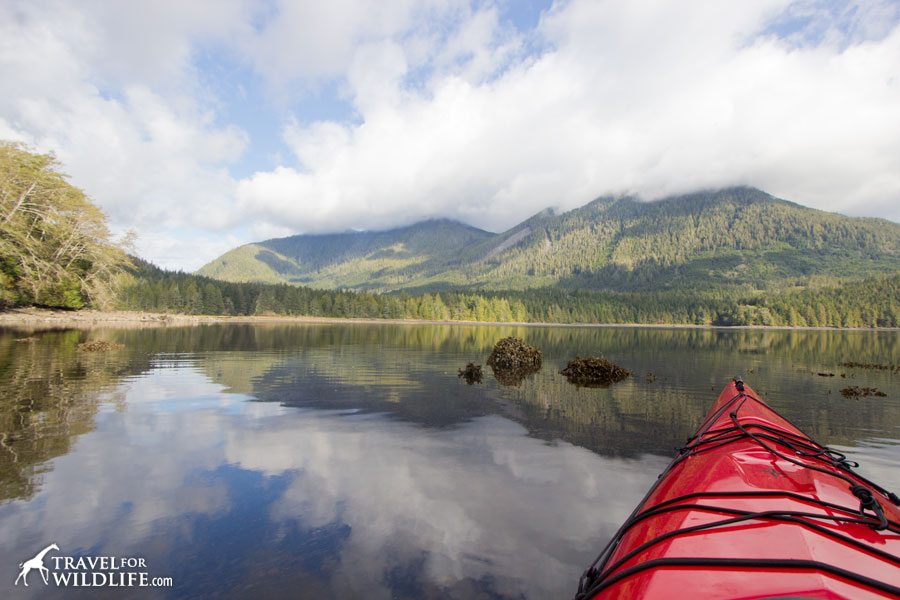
(472,373)
(512,360)
(861,392)
(594,371)
(99,346)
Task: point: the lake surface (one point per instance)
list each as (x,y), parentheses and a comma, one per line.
(344,461)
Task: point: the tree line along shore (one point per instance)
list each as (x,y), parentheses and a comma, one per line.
(872,302)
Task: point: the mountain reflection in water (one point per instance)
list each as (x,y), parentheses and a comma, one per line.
(335,461)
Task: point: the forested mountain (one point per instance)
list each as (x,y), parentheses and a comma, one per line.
(350,260)
(708,240)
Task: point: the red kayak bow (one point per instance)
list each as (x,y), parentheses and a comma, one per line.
(752,508)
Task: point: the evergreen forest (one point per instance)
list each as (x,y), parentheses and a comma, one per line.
(870,302)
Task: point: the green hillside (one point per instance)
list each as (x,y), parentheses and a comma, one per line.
(350,260)
(708,240)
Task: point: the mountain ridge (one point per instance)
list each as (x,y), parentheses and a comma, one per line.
(726,237)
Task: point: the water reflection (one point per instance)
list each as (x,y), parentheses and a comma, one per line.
(50,395)
(267,497)
(339,461)
(409,372)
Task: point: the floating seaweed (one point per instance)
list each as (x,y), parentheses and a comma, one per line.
(825,374)
(472,373)
(512,360)
(861,392)
(513,353)
(871,366)
(98,346)
(594,371)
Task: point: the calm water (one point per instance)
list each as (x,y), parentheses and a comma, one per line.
(343,461)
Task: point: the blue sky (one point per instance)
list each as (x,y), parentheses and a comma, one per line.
(203,125)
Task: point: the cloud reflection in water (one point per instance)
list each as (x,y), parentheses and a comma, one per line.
(231,496)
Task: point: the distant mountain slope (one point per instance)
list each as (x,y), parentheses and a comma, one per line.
(699,241)
(350,260)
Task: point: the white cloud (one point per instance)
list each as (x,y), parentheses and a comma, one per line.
(150,43)
(650,97)
(300,44)
(185,249)
(404,500)
(454,111)
(155,159)
(836,23)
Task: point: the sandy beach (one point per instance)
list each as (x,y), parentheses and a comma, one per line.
(48,318)
(43,318)
(52,318)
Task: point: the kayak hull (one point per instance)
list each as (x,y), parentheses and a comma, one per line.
(752,508)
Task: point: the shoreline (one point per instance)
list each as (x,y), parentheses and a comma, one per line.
(47,318)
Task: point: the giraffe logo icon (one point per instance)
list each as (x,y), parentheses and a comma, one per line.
(36,563)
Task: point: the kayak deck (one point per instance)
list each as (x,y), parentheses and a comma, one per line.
(753,508)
